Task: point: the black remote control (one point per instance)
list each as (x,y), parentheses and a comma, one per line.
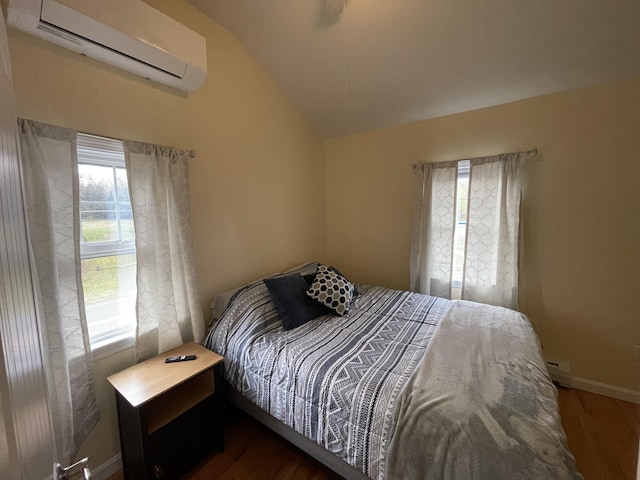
(181,358)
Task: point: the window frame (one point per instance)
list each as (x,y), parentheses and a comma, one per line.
(105,152)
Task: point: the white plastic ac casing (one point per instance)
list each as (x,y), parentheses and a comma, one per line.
(128,34)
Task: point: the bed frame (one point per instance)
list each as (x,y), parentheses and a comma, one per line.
(311,448)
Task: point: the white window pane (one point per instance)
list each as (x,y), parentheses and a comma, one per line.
(109,285)
(107,241)
(96,183)
(458,253)
(460,234)
(105,207)
(99,230)
(123,188)
(98,214)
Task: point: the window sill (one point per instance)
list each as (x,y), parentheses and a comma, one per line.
(112,346)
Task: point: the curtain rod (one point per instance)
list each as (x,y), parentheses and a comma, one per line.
(191,153)
(531,152)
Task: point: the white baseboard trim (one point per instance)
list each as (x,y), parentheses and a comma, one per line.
(597,387)
(107,469)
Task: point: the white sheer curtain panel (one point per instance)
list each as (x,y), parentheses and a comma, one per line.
(168,305)
(493,228)
(26,437)
(49,162)
(434,221)
(488,249)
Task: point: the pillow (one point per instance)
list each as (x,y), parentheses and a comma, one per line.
(355,290)
(310,278)
(288,294)
(221,301)
(331,290)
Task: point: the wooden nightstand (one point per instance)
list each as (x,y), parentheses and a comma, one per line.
(169,414)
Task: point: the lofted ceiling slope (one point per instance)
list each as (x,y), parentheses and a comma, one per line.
(357,65)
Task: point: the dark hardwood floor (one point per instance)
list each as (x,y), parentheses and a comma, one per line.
(602,433)
(252,451)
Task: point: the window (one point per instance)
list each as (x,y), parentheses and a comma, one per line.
(465,235)
(107,237)
(460,231)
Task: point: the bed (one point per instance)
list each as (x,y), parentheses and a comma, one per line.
(400,385)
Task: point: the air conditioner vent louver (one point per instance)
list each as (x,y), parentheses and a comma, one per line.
(128,34)
(58,33)
(78,41)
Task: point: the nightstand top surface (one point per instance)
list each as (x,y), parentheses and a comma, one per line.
(146,380)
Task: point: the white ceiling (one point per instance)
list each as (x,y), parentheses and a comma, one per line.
(377,63)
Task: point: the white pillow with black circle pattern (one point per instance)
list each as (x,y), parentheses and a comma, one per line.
(331,290)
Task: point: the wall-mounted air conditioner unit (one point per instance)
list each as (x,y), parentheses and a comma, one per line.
(128,34)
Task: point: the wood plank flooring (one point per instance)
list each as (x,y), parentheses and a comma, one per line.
(601,432)
(253,452)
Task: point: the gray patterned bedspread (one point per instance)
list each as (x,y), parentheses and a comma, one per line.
(340,381)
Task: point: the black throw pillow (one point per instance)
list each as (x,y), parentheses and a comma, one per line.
(289,295)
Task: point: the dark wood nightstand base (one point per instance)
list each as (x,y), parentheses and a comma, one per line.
(170,415)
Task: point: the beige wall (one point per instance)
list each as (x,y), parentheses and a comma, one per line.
(580,274)
(256,184)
